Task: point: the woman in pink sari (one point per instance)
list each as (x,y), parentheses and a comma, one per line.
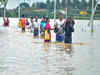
(47,32)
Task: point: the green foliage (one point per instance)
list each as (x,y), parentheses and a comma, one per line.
(63,3)
(33,5)
(76,3)
(3,2)
(48,3)
(74,8)
(39,5)
(58,4)
(24,5)
(84,4)
(90,3)
(69,4)
(52,5)
(98,7)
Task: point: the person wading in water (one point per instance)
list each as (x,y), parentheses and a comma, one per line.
(69,28)
(59,29)
(23,23)
(47,32)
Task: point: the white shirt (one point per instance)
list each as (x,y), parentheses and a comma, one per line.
(59,26)
(59,23)
(36,24)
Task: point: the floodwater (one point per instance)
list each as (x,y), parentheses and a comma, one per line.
(22,54)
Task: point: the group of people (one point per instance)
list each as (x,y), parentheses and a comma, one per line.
(62,28)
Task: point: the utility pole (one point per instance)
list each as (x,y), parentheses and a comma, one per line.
(66,8)
(92,17)
(4,3)
(19,9)
(54,11)
(35,3)
(4,10)
(66,12)
(93,13)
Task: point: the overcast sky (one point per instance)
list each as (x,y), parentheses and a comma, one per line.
(14,3)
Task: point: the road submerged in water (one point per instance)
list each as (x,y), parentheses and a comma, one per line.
(21,54)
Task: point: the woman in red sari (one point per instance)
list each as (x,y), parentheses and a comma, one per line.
(23,23)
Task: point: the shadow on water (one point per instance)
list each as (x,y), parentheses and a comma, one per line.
(68,48)
(61,60)
(66,52)
(46,46)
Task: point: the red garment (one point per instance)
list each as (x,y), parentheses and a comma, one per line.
(47,26)
(23,22)
(5,22)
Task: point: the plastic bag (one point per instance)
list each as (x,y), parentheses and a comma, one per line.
(47,35)
(19,24)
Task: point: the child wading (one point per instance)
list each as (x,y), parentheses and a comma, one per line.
(36,27)
(59,29)
(23,23)
(69,28)
(47,33)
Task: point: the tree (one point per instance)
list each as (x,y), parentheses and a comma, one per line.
(94,3)
(83,4)
(90,3)
(4,2)
(24,5)
(76,3)
(38,5)
(52,5)
(48,3)
(58,4)
(0,3)
(43,5)
(69,4)
(63,3)
(98,7)
(72,4)
(33,5)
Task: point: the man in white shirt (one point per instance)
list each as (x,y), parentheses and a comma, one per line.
(59,29)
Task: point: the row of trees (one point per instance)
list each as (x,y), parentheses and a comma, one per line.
(3,2)
(83,4)
(49,6)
